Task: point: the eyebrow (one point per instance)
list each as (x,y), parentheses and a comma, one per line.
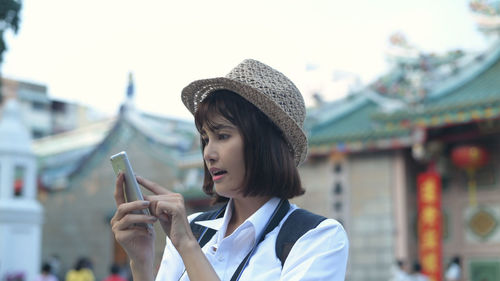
(218,127)
(222,126)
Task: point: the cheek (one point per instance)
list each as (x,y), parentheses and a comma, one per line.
(240,167)
(239,158)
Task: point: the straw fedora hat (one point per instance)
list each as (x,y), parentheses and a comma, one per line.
(266,88)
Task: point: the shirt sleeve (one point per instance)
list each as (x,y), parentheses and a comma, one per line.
(320,254)
(171,265)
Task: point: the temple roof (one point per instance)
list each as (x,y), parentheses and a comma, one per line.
(64,157)
(469,92)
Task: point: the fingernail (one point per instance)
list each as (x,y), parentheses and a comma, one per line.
(153,219)
(145,203)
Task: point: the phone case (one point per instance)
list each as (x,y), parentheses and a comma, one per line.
(121,163)
(131,188)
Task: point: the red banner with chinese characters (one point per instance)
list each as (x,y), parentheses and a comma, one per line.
(430,224)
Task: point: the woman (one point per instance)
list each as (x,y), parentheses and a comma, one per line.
(453,271)
(82,271)
(46,274)
(252,142)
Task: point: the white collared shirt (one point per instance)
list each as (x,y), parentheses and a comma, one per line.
(320,254)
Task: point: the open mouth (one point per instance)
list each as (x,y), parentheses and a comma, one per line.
(218,175)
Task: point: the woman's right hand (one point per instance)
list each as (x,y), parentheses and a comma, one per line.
(129,228)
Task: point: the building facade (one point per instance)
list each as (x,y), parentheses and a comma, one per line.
(369,151)
(44,115)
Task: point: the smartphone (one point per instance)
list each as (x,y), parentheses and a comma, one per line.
(131,188)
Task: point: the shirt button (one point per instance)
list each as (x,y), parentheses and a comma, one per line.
(220,258)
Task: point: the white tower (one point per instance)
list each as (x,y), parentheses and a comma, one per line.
(20,212)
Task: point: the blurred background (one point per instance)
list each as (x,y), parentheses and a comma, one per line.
(403,101)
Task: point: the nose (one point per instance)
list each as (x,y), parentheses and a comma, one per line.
(210,154)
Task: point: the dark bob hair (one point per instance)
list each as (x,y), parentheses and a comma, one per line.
(269,164)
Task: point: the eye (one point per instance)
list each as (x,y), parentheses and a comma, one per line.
(204,139)
(223,136)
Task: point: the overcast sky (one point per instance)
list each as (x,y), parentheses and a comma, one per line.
(84,50)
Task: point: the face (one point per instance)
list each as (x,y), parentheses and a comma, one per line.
(223,155)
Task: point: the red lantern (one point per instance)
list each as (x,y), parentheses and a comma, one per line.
(470,158)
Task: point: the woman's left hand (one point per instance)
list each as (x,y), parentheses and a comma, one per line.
(169,208)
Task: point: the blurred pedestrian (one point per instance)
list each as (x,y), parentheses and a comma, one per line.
(417,274)
(454,270)
(114,274)
(55,263)
(15,276)
(81,271)
(399,273)
(46,274)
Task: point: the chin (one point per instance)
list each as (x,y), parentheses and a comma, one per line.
(226,193)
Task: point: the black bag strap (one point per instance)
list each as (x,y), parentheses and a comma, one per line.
(204,234)
(275,219)
(297,224)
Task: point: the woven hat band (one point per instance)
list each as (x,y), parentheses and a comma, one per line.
(272,84)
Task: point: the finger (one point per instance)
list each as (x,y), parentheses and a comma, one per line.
(171,196)
(163,213)
(173,207)
(134,232)
(172,215)
(152,186)
(126,208)
(170,203)
(119,196)
(153,197)
(133,220)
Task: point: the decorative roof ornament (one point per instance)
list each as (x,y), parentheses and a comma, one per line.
(400,51)
(414,73)
(486,14)
(128,104)
(130,86)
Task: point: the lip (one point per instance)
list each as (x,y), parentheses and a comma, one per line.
(214,170)
(216,178)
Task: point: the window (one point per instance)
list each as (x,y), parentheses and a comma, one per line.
(58,106)
(37,105)
(337,168)
(37,134)
(19,175)
(337,189)
(337,206)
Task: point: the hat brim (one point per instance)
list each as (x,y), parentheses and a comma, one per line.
(194,93)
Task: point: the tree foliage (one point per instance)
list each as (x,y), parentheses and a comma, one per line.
(9,19)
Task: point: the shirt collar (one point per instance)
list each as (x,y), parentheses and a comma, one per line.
(258,219)
(213,224)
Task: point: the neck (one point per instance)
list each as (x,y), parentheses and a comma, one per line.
(242,209)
